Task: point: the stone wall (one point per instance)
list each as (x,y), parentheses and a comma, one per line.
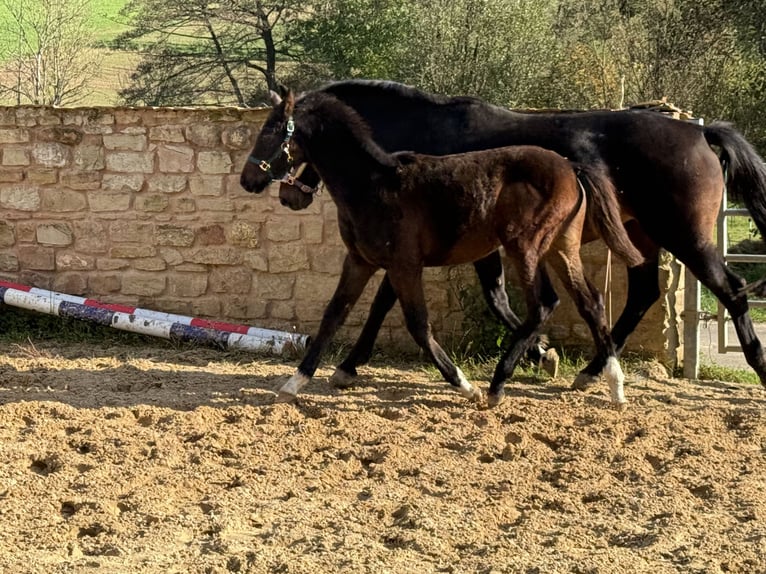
(143,207)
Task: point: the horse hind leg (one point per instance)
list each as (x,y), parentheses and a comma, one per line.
(590,304)
(492,279)
(708,266)
(541,300)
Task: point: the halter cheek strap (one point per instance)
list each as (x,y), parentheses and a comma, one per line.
(264,164)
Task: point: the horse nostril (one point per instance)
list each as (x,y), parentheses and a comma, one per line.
(283,202)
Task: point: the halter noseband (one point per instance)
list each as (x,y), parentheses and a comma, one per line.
(264,164)
(292,179)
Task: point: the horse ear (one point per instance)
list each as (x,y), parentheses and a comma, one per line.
(289,103)
(276,99)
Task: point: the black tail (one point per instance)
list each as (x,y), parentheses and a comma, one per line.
(603,214)
(745,170)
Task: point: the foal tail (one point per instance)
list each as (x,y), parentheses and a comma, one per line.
(744,170)
(603,214)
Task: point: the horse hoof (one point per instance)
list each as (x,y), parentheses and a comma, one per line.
(283,397)
(340,379)
(550,362)
(584,381)
(495,399)
(620,407)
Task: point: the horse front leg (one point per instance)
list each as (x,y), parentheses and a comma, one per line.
(353,279)
(361,352)
(408,286)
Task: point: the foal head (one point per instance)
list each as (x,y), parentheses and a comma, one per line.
(271,156)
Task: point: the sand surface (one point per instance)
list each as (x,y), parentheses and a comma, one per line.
(160,460)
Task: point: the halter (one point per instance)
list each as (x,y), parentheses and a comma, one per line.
(264,164)
(291,178)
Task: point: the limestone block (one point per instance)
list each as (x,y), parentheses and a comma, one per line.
(81,180)
(174,236)
(327,258)
(132,251)
(11,175)
(231,280)
(150,264)
(14,135)
(15,155)
(130,161)
(283,228)
(65,135)
(88,157)
(130,231)
(202,185)
(313,228)
(143,285)
(282,310)
(167,183)
(55,234)
(99,201)
(188,284)
(214,162)
(172,134)
(57,199)
(151,203)
(175,159)
(90,236)
(204,135)
(109,264)
(37,258)
(238,137)
(42,176)
(9,262)
(122,182)
(285,257)
(215,256)
(273,286)
(70,283)
(244,234)
(211,235)
(73,261)
(123,141)
(7,235)
(21,196)
(104,284)
(51,154)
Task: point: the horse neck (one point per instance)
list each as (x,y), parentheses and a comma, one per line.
(341,162)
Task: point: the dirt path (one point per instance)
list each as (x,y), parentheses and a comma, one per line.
(150,460)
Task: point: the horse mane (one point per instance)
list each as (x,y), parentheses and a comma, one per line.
(327,109)
(396,89)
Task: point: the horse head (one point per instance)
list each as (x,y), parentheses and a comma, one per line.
(271,155)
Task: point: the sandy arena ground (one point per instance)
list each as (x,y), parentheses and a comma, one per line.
(158,460)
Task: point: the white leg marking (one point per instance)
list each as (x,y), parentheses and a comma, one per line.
(467,389)
(616,378)
(294,384)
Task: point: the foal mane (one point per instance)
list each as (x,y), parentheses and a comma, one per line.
(319,111)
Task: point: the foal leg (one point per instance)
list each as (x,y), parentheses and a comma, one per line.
(353,279)
(361,352)
(541,300)
(590,304)
(492,279)
(643,292)
(408,285)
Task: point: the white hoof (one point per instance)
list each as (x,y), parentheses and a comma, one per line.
(616,378)
(292,387)
(550,362)
(466,389)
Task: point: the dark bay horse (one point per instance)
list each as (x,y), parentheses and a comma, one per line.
(669,182)
(406,211)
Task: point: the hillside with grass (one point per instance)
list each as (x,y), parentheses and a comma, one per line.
(114,67)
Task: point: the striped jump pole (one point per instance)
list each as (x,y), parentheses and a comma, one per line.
(154,323)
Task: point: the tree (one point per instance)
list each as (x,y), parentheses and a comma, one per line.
(46,51)
(199,52)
